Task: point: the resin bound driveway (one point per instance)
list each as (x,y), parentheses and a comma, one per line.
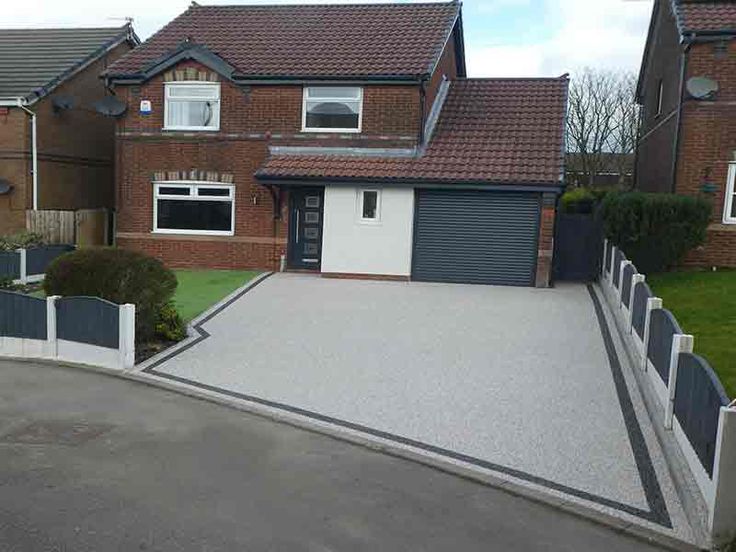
(521,383)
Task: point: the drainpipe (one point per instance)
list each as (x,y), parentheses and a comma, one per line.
(34,152)
(678,122)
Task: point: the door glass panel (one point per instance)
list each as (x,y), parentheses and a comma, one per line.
(310,248)
(311,217)
(312,202)
(311,233)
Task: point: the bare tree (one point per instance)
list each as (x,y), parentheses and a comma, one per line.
(602,119)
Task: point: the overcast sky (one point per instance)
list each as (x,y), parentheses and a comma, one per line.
(502,37)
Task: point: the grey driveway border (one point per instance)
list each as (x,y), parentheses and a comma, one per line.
(656,514)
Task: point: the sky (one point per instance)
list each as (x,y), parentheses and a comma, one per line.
(503,38)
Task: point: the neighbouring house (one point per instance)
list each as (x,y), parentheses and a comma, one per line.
(687,90)
(56,151)
(341,139)
(612,170)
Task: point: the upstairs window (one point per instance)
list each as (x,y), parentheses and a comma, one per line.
(729,210)
(332,109)
(192,106)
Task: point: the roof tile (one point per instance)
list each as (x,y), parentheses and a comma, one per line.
(706,15)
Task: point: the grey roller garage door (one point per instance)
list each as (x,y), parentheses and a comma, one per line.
(470,236)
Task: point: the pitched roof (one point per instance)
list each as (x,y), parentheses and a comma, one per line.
(706,16)
(34,60)
(339,40)
(491,131)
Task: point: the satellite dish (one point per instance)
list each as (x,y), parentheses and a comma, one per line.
(110,106)
(701,88)
(62,103)
(5,187)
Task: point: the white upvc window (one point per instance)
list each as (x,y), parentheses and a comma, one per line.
(729,209)
(369,205)
(189,207)
(192,105)
(332,109)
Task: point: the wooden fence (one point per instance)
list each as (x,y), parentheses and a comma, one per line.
(84,227)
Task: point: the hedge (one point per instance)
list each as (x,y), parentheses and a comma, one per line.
(581,200)
(655,231)
(119,276)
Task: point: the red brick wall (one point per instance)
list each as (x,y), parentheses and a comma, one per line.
(546,242)
(707,145)
(447,66)
(251,118)
(15,166)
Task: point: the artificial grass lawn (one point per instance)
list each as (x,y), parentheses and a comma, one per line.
(200,289)
(705,305)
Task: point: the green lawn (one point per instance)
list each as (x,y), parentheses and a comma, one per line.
(705,305)
(200,289)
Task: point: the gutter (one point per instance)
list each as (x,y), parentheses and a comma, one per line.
(34,150)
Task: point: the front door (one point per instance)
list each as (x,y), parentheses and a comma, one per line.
(305,227)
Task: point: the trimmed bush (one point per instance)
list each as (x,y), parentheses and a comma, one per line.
(655,231)
(119,276)
(581,200)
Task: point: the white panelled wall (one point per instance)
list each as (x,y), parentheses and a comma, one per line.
(352,245)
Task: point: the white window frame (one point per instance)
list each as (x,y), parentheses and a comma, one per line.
(730,193)
(305,97)
(359,206)
(193,186)
(216,108)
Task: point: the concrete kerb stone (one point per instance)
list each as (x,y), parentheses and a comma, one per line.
(685,485)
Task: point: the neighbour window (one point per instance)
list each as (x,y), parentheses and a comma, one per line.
(660,90)
(193,208)
(192,106)
(332,109)
(729,211)
(369,205)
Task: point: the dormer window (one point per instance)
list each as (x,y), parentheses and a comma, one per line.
(192,105)
(332,109)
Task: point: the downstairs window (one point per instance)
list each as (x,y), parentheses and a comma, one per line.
(729,209)
(193,208)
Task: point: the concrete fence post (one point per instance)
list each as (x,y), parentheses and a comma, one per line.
(722,511)
(23,266)
(52,344)
(126,335)
(652,304)
(603,263)
(613,261)
(635,280)
(681,343)
(620,293)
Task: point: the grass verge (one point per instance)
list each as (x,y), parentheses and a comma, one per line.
(198,290)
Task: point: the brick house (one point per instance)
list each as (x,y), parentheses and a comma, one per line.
(343,139)
(687,90)
(56,152)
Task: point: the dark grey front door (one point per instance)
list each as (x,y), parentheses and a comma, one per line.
(305,227)
(476,237)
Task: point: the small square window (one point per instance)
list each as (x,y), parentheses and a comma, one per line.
(369,205)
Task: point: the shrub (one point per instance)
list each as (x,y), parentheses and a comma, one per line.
(117,275)
(655,230)
(20,240)
(169,325)
(581,200)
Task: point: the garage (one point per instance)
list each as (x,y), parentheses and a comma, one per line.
(475,236)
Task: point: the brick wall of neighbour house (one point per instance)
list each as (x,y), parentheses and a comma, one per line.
(251,119)
(658,131)
(15,166)
(708,145)
(546,241)
(75,151)
(77,146)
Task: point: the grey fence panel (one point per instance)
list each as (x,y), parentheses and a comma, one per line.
(617,260)
(662,327)
(39,258)
(10,264)
(22,316)
(699,397)
(88,320)
(629,272)
(607,259)
(642,292)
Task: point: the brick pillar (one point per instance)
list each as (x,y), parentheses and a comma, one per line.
(546,240)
